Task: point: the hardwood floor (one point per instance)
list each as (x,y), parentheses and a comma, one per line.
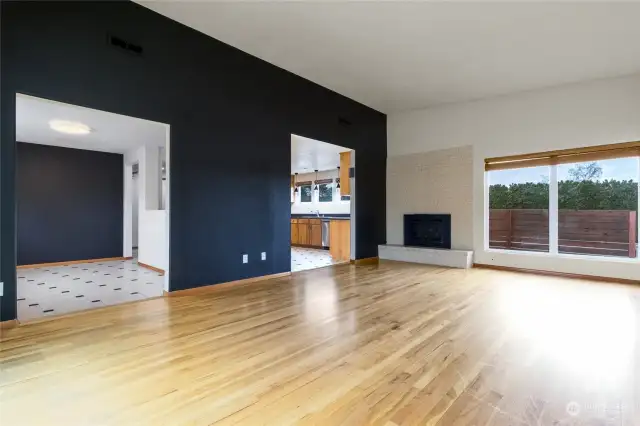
(389,344)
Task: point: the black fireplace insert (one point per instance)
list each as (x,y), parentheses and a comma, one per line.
(427,230)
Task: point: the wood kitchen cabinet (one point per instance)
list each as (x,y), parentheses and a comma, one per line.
(340,240)
(294,231)
(306,232)
(316,233)
(303,232)
(345,165)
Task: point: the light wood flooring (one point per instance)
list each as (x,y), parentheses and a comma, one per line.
(394,344)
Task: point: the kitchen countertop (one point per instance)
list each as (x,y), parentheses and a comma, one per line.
(328,217)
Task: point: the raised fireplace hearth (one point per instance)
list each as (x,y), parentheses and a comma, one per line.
(427,230)
(427,239)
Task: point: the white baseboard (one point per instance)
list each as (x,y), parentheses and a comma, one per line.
(429,256)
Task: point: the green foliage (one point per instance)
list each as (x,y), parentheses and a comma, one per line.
(585,171)
(572,195)
(519,196)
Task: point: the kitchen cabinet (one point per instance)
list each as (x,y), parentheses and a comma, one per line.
(294,231)
(303,232)
(316,233)
(345,165)
(340,240)
(306,232)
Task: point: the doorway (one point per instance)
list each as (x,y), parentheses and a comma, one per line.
(135,193)
(88,189)
(322,204)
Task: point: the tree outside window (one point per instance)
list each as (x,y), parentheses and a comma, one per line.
(306,194)
(325,193)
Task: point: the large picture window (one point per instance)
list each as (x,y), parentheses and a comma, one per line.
(597,207)
(519,209)
(553,202)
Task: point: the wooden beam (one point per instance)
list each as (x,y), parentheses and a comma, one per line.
(564,156)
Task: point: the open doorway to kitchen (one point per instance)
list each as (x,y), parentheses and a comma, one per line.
(322,204)
(92,222)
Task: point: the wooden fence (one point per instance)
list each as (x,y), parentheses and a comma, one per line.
(599,232)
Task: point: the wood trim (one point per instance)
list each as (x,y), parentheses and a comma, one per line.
(153,268)
(309,246)
(557,274)
(322,181)
(564,156)
(5,325)
(333,265)
(305,183)
(214,287)
(366,261)
(72,262)
(488,167)
(560,152)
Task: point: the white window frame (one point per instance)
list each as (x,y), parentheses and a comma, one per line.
(553,224)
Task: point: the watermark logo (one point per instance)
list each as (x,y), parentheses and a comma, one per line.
(573,409)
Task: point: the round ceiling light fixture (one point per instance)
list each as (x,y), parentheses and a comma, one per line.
(70,127)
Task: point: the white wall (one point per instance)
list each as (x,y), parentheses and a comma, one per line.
(435,182)
(134,207)
(577,115)
(152,222)
(127,231)
(153,239)
(335,207)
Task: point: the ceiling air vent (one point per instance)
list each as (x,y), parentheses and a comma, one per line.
(124,45)
(343,121)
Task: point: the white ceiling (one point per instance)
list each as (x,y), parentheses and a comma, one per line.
(404,55)
(308,155)
(111,132)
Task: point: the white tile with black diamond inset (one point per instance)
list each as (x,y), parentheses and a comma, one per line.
(55,290)
(306,258)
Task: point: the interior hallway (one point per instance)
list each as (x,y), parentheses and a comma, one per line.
(393,344)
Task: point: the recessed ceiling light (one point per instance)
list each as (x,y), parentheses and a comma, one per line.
(70,127)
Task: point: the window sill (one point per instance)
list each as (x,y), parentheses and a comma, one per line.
(565,256)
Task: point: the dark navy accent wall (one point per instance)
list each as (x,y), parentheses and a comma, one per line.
(231,117)
(69,204)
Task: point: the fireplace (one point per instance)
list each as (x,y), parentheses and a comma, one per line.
(427,230)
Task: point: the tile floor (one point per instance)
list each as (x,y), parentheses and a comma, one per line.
(306,258)
(59,290)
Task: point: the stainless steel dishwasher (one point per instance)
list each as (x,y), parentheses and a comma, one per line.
(325,233)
